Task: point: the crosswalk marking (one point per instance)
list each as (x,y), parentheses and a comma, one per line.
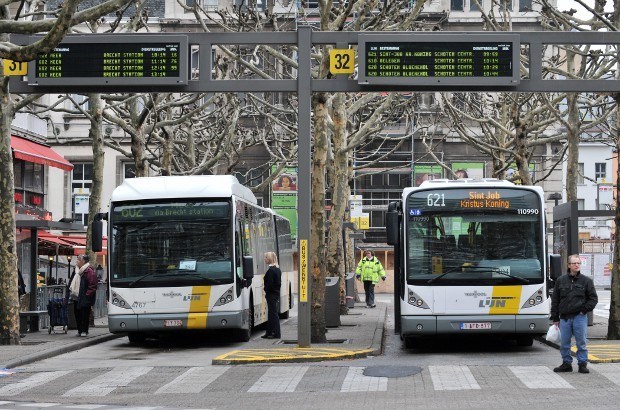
(539,377)
(355,381)
(107,382)
(87,406)
(286,379)
(35,380)
(194,380)
(453,378)
(39,405)
(610,370)
(279,379)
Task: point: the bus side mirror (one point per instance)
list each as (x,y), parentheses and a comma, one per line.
(391,224)
(555,266)
(97,232)
(248,270)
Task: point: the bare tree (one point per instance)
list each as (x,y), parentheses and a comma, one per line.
(56,27)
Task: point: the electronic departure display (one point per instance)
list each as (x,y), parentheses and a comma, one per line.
(143,212)
(512,201)
(439,59)
(113,60)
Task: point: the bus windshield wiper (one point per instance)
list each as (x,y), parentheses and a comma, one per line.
(435,279)
(491,269)
(146,276)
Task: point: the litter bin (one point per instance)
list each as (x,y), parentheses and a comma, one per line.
(349,283)
(332,301)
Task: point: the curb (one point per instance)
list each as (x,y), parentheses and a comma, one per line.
(275,355)
(56,351)
(556,346)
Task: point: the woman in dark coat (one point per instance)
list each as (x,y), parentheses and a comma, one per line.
(87,293)
(271,284)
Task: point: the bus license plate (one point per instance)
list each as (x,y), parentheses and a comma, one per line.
(173,323)
(475,325)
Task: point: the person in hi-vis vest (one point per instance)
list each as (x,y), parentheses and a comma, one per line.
(369,269)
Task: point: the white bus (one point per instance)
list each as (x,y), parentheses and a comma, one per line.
(187,253)
(470,257)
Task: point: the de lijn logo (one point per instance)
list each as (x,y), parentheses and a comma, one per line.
(499,301)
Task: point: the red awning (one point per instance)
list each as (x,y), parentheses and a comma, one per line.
(38,153)
(68,244)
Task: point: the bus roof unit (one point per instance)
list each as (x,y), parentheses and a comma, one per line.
(193,186)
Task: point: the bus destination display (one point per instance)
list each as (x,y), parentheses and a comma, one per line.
(459,62)
(455,200)
(107,62)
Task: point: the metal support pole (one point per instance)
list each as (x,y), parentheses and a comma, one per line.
(304,188)
(34,273)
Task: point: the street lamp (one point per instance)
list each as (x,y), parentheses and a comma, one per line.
(49,278)
(556,196)
(68,267)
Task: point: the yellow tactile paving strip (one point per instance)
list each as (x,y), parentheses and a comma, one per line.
(602,353)
(289,354)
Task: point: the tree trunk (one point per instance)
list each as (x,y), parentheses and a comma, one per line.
(613,327)
(572,136)
(96,137)
(9,300)
(340,196)
(317,228)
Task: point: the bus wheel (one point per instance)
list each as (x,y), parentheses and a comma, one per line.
(525,340)
(244,335)
(285,315)
(409,343)
(136,338)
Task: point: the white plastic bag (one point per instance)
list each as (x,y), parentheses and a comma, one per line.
(553,334)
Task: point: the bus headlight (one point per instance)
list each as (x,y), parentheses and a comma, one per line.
(226,297)
(414,300)
(117,300)
(535,299)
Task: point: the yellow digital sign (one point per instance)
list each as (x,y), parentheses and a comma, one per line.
(303,270)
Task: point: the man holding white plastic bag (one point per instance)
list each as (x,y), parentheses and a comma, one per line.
(573,297)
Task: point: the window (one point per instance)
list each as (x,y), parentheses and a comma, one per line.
(82,100)
(129,170)
(580,170)
(600,170)
(473,6)
(506,5)
(28,183)
(581,204)
(456,5)
(81,182)
(525,5)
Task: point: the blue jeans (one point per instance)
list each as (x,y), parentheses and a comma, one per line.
(578,327)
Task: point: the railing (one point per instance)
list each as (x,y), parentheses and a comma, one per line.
(45,293)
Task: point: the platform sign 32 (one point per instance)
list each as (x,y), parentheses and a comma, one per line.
(342,61)
(15,67)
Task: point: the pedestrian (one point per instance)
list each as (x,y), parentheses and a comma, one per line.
(271,284)
(85,285)
(369,269)
(573,297)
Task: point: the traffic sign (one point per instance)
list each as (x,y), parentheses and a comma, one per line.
(15,67)
(342,61)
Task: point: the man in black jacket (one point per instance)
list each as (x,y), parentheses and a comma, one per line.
(573,297)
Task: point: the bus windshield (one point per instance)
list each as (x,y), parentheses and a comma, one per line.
(467,236)
(171,244)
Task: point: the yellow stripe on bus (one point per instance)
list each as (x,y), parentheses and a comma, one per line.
(198,307)
(505,300)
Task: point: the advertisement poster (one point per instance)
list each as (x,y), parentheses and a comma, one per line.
(468,169)
(284,196)
(423,173)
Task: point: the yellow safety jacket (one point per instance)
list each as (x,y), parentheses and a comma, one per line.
(370,269)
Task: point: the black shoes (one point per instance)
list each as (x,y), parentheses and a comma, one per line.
(269,337)
(565,367)
(583,368)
